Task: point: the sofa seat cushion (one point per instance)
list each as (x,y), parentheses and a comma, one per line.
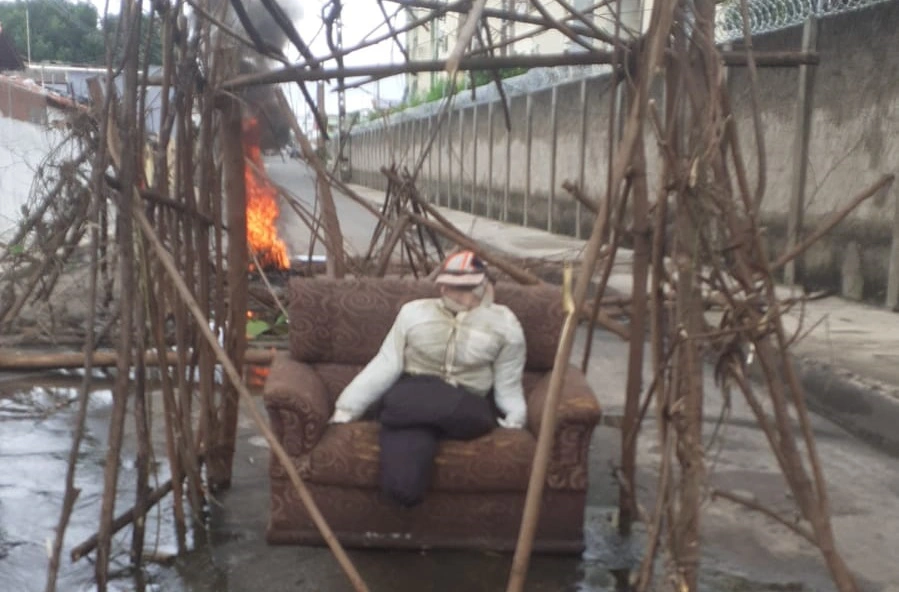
(347,455)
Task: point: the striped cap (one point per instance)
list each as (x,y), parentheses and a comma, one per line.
(462,269)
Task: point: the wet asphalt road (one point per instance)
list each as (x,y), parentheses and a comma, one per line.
(356,223)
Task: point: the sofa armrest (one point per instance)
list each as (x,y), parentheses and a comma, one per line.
(298,404)
(577,403)
(577,414)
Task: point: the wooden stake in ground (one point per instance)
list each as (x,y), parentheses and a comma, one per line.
(656,40)
(127,198)
(71,492)
(627,491)
(220,459)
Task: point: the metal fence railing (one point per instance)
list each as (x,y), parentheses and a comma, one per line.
(772,15)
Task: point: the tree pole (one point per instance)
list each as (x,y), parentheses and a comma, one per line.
(221,458)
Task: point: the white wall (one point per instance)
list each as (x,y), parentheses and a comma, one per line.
(23,146)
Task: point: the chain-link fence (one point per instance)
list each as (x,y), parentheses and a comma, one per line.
(772,15)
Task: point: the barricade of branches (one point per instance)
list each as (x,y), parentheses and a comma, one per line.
(47,241)
(180,267)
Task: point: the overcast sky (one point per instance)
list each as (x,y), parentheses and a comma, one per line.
(360,18)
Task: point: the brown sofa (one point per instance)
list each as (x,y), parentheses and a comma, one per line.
(478,489)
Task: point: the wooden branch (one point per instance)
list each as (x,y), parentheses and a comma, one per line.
(542,455)
(162,200)
(393,32)
(388,22)
(262,46)
(627,500)
(399,228)
(644,575)
(580,15)
(300,72)
(609,255)
(449,230)
(270,50)
(567,31)
(464,36)
(497,79)
(122,521)
(20,360)
(452,233)
(577,194)
(286,24)
(758,507)
(71,492)
(660,27)
(836,218)
(336,264)
(220,460)
(494,13)
(752,76)
(606,322)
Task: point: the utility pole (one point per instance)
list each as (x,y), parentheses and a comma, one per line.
(28,31)
(343,162)
(504,29)
(322,132)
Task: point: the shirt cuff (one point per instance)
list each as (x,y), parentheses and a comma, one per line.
(341,416)
(509,423)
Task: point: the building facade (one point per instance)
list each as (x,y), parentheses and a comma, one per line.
(436,40)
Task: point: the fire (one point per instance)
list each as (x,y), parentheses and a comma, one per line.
(262,205)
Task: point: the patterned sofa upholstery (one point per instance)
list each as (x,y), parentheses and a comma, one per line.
(478,489)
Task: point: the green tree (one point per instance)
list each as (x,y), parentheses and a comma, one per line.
(111,25)
(60,31)
(68,32)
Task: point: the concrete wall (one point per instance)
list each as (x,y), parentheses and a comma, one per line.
(494,172)
(21,102)
(854,140)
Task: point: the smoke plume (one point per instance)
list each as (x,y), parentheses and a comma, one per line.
(261,100)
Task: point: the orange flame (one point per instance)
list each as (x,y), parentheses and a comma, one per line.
(262,205)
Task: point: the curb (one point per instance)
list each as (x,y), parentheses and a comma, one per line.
(866,408)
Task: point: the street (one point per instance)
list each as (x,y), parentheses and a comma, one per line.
(294,176)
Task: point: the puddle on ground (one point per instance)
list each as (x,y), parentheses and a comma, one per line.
(37,418)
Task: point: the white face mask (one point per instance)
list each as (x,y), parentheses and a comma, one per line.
(484,296)
(453,306)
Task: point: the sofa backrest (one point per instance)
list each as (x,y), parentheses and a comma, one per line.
(345,321)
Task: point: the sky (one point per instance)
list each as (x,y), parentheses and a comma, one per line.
(361,18)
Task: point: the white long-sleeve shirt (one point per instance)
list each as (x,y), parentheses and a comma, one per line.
(476,349)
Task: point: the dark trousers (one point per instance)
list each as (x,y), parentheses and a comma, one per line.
(416,413)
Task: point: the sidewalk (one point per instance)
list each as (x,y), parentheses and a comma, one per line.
(848,354)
